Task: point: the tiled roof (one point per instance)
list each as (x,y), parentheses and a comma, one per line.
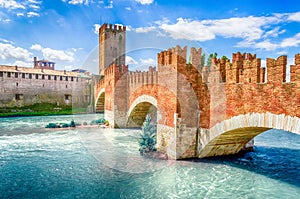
(37,71)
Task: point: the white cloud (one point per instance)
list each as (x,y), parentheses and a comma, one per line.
(6,41)
(35,7)
(37,47)
(129,28)
(129,60)
(58,54)
(96,28)
(128,8)
(22,63)
(55,55)
(144,2)
(248,28)
(148,62)
(20,14)
(34,1)
(292,41)
(190,30)
(33,14)
(145,29)
(75,2)
(274,32)
(5,20)
(284,52)
(294,16)
(265,45)
(11,4)
(8,51)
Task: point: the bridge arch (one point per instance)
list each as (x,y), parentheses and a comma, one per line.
(138,110)
(231,135)
(100,101)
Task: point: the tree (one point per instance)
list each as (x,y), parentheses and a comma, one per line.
(224,57)
(203,60)
(147,139)
(211,56)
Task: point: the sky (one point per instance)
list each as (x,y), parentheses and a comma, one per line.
(66,31)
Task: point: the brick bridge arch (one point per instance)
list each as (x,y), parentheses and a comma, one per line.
(231,135)
(138,110)
(100,101)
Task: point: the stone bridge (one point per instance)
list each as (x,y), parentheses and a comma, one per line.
(203,111)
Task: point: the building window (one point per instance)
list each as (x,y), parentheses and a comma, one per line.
(76,79)
(49,77)
(36,76)
(1,74)
(30,76)
(8,74)
(23,75)
(68,98)
(17,84)
(60,78)
(55,77)
(43,76)
(18,97)
(66,78)
(16,75)
(72,79)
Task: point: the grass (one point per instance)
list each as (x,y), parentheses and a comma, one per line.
(40,109)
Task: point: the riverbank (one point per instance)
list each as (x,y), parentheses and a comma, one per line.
(42,109)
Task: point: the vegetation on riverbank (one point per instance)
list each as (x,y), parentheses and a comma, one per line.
(40,109)
(100,122)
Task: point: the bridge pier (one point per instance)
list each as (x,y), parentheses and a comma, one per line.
(178,142)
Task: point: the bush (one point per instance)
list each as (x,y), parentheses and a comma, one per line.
(147,140)
(52,125)
(64,125)
(99,121)
(72,124)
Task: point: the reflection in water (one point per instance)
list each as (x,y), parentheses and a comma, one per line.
(105,163)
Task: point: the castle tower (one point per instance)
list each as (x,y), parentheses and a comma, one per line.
(43,64)
(112,41)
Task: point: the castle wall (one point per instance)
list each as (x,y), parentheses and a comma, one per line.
(23,86)
(246,91)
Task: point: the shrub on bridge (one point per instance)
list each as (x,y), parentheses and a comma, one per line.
(147,139)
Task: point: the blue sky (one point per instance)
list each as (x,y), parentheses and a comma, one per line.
(65,31)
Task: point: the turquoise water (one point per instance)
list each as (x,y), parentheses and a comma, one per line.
(104,163)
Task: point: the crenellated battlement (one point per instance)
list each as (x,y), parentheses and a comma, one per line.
(241,57)
(143,77)
(177,58)
(295,69)
(115,70)
(172,56)
(113,28)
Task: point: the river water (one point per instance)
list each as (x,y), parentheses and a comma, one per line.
(105,163)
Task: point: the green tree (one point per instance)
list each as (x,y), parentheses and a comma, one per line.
(211,56)
(147,139)
(224,57)
(202,60)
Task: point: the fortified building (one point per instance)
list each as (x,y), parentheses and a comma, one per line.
(200,111)
(21,86)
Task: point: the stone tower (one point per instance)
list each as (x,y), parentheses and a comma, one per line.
(112,41)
